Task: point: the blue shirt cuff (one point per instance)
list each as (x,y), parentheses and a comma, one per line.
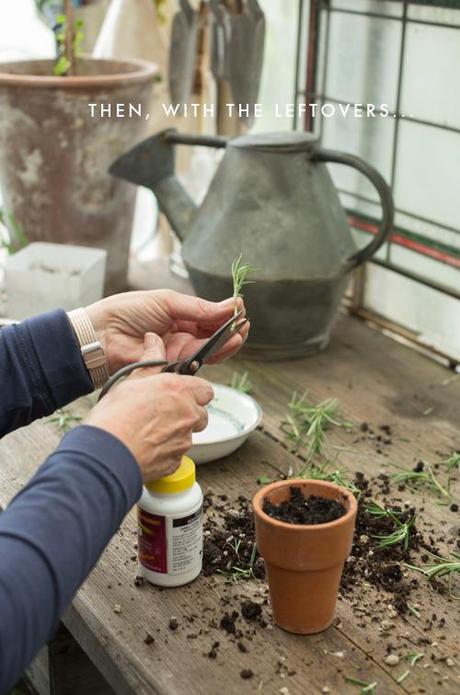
(56,357)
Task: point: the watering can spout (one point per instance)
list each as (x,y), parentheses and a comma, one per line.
(151,164)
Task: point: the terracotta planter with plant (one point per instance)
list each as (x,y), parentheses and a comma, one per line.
(304,532)
(54,156)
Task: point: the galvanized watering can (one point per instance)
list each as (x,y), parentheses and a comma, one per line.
(272,200)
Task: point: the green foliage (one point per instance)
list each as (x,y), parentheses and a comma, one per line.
(64,65)
(366,688)
(160,6)
(65,420)
(402,533)
(241,382)
(240,272)
(307,424)
(425,478)
(326,472)
(441,567)
(17,239)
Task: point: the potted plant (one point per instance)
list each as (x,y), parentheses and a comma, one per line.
(55,150)
(304,532)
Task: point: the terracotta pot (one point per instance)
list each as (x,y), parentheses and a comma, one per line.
(304,563)
(54,157)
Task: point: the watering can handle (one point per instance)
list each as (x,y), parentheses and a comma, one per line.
(384,191)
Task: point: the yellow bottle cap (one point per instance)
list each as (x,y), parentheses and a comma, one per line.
(180,480)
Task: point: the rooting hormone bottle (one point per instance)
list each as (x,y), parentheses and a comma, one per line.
(170,528)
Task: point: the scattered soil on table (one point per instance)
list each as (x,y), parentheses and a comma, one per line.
(229,537)
(299,509)
(382,567)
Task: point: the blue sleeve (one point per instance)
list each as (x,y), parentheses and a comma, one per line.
(41,369)
(52,534)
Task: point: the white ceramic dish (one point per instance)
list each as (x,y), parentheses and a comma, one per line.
(232,417)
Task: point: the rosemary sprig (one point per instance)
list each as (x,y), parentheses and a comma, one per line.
(306,425)
(452,463)
(240,272)
(65,420)
(242,572)
(440,567)
(241,382)
(424,478)
(323,472)
(413,657)
(402,532)
(366,688)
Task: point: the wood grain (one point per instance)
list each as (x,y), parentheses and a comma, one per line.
(377,381)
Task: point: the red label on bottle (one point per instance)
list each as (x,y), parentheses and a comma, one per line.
(152,542)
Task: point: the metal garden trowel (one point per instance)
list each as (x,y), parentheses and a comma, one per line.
(182,54)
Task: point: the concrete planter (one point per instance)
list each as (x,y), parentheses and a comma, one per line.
(54,157)
(46,276)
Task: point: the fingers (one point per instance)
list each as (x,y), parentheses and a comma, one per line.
(201,389)
(154,349)
(202,421)
(183,307)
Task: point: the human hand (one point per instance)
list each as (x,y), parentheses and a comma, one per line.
(184,323)
(154,414)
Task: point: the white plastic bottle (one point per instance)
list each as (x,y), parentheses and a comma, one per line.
(170,528)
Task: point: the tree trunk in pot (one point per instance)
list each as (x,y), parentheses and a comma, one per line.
(54,158)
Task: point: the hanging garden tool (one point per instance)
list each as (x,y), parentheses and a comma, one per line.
(182,55)
(237,52)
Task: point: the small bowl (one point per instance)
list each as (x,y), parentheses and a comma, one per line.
(232,417)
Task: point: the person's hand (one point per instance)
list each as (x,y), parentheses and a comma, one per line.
(154,414)
(183,323)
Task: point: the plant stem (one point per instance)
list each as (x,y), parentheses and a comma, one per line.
(69,36)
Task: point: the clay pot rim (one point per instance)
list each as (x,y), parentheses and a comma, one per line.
(144,72)
(259,496)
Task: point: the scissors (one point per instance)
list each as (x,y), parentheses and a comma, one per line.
(190,365)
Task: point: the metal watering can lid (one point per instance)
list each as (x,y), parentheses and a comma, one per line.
(279,142)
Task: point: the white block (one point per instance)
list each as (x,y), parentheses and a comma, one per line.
(45,276)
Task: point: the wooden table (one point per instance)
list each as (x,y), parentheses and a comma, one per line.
(376,380)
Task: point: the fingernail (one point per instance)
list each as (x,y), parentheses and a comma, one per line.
(228,301)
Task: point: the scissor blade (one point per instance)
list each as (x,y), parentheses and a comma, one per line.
(213,345)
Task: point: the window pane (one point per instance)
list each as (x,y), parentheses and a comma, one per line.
(425,266)
(363,59)
(430,89)
(427,173)
(441,15)
(425,311)
(392,9)
(368,138)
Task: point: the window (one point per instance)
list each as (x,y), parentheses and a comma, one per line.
(404,56)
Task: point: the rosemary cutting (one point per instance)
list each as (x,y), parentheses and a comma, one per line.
(402,533)
(65,420)
(441,567)
(335,475)
(240,272)
(425,478)
(241,382)
(306,425)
